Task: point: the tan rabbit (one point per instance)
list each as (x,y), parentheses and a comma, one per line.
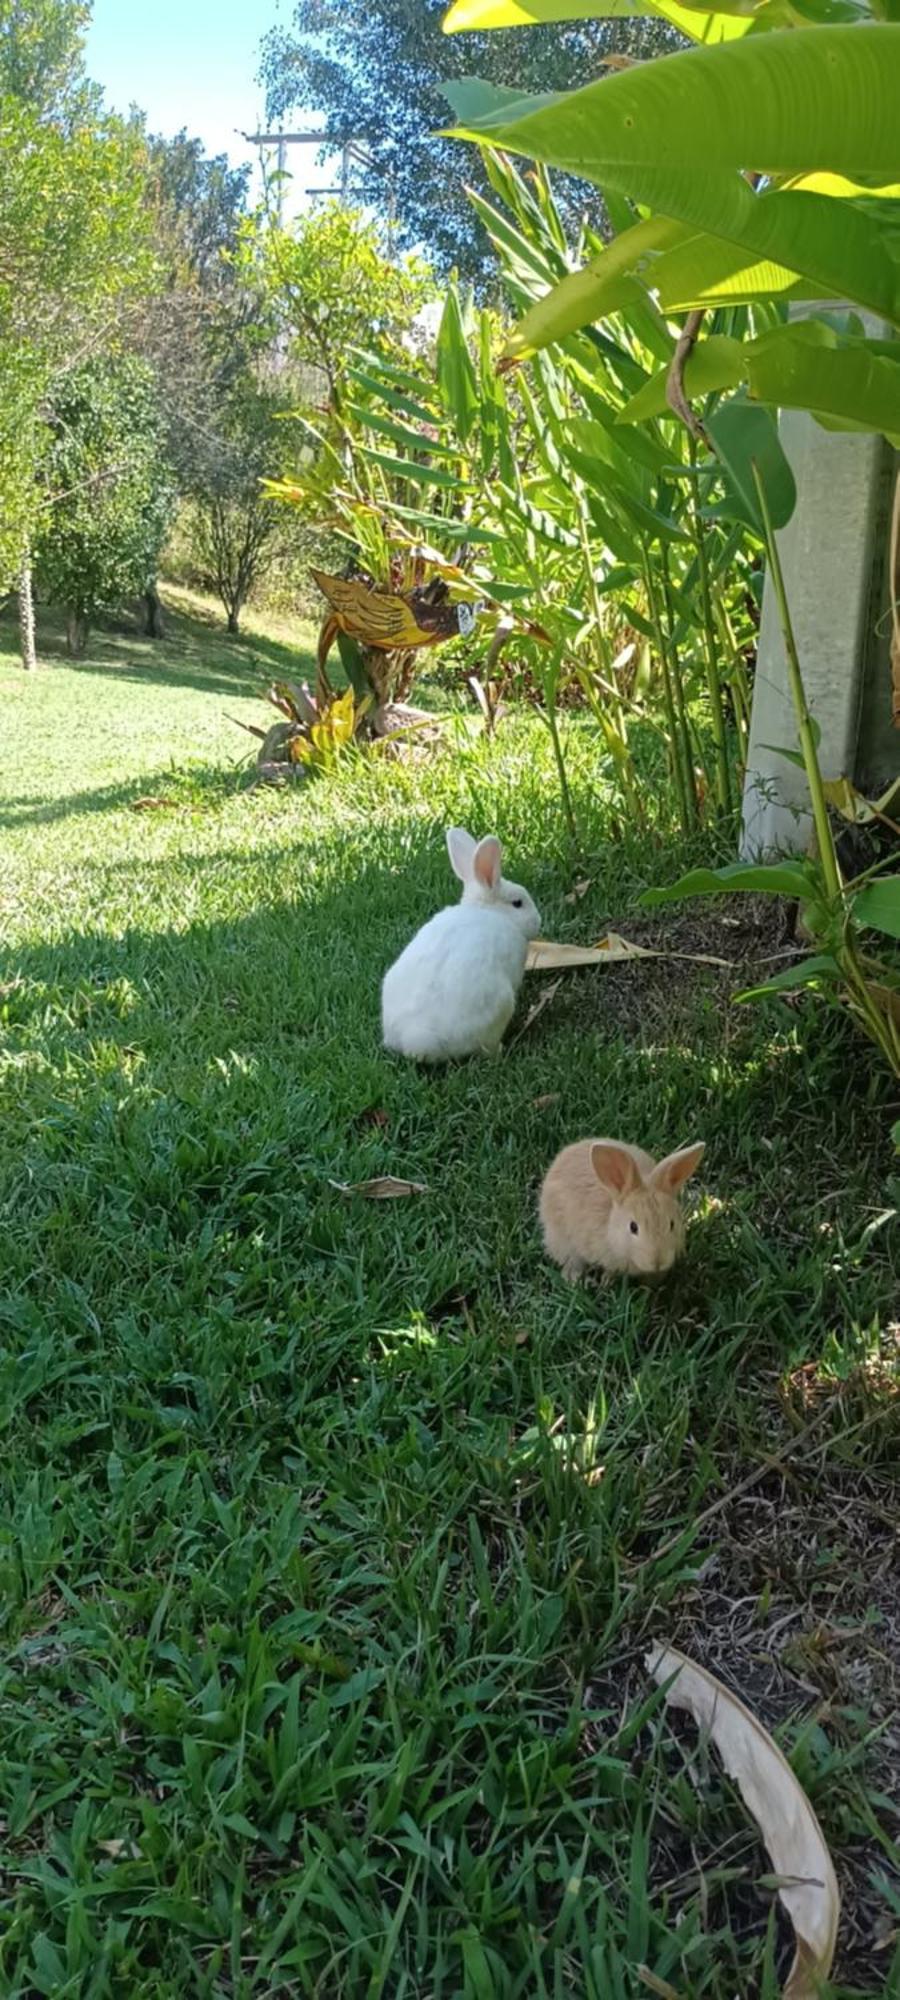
(609,1204)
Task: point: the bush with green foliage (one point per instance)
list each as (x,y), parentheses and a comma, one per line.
(327,285)
(73,235)
(108,490)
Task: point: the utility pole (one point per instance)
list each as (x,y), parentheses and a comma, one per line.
(353,153)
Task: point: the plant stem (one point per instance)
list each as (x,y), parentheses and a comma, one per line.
(550,682)
(678,689)
(724,793)
(684,779)
(827,854)
(625,762)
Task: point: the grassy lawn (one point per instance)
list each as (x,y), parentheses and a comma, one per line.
(333,1533)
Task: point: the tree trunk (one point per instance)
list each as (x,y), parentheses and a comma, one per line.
(234,617)
(154,625)
(76,632)
(26,615)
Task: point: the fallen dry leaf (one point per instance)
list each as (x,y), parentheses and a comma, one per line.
(151,805)
(385,1187)
(116,1848)
(578,890)
(790,1830)
(545,956)
(544,1103)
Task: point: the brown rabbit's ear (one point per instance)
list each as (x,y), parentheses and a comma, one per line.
(676,1168)
(615,1169)
(461,849)
(486,866)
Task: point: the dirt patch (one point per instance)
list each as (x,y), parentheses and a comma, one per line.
(753,933)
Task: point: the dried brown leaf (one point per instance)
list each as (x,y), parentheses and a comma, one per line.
(790,1830)
(385,1187)
(151,805)
(545,956)
(578,890)
(544,1103)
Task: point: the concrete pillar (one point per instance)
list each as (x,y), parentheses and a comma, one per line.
(834,553)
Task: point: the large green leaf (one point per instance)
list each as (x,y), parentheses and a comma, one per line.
(455,370)
(791,104)
(847,381)
(775,878)
(814,971)
(878,905)
(604,286)
(402,434)
(744,436)
(804,366)
(785,104)
(716,363)
(406,468)
(720,25)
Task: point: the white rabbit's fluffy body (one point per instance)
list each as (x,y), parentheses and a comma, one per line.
(453,990)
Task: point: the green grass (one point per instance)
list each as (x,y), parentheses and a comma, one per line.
(330,1530)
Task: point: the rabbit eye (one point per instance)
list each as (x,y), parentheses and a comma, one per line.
(634,1228)
(672,1223)
(517,902)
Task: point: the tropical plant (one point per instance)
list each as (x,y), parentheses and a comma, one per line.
(762,168)
(107,491)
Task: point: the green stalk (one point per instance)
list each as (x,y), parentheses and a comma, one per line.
(737,680)
(568,808)
(678,686)
(684,782)
(724,794)
(626,763)
(827,855)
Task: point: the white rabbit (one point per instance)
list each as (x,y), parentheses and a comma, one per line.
(611,1205)
(453,990)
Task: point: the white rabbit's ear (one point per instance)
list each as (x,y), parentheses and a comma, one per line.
(615,1169)
(461,849)
(486,865)
(677,1168)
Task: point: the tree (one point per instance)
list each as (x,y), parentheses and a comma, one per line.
(328,287)
(376,72)
(108,490)
(72,238)
(240,531)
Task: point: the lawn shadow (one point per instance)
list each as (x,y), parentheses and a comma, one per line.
(163,789)
(195,652)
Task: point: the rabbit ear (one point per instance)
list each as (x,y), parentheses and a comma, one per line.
(461,849)
(676,1168)
(486,866)
(615,1169)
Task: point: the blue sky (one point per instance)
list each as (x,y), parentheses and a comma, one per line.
(192,63)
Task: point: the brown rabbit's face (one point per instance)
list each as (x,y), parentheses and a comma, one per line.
(646,1233)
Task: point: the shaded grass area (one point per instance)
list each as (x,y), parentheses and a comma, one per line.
(332,1533)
